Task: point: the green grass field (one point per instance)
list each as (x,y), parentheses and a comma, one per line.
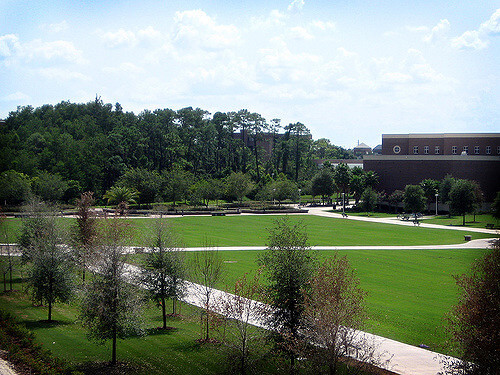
(480,222)
(174,351)
(409,291)
(253,230)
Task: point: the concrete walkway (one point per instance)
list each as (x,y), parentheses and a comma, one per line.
(324,211)
(6,368)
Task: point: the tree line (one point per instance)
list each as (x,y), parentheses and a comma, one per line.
(59,151)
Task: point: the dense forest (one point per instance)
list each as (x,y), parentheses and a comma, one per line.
(68,148)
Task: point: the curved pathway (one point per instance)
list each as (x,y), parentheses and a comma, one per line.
(325,211)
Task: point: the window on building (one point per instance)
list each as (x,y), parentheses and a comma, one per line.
(436,150)
(426,150)
(488,150)
(454,150)
(466,149)
(415,149)
(476,150)
(498,150)
(396,149)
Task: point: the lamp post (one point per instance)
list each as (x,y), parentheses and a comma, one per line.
(343,203)
(300,190)
(436,195)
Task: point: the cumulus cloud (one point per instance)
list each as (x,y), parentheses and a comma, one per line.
(323,26)
(479,39)
(299,32)
(194,28)
(17,96)
(438,32)
(118,38)
(296,6)
(9,45)
(56,50)
(125,67)
(55,27)
(59,74)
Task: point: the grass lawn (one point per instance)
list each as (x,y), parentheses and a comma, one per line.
(160,352)
(481,221)
(409,291)
(250,230)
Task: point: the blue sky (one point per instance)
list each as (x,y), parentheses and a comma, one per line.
(349,70)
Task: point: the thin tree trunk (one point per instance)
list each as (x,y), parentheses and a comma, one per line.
(164,312)
(113,350)
(50,300)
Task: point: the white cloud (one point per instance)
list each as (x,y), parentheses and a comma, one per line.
(17,96)
(56,27)
(119,38)
(417,29)
(296,6)
(58,74)
(438,32)
(323,26)
(125,67)
(194,28)
(298,32)
(9,45)
(56,50)
(479,39)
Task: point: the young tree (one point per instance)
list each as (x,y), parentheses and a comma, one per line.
(322,184)
(6,253)
(207,270)
(111,306)
(431,187)
(369,199)
(288,265)
(49,274)
(396,198)
(163,270)
(462,198)
(84,236)
(495,207)
(238,185)
(475,320)
(242,309)
(414,199)
(334,311)
(445,188)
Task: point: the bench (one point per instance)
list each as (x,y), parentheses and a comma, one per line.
(218,214)
(344,214)
(490,226)
(416,222)
(467,237)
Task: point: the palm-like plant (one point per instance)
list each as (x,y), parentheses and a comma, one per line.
(121,196)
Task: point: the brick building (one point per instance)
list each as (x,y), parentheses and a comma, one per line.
(410,158)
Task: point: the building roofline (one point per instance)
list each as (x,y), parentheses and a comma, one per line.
(434,157)
(443,135)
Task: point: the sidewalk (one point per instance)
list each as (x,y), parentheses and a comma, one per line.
(324,211)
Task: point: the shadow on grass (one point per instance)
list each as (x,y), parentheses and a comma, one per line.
(160,331)
(35,324)
(98,368)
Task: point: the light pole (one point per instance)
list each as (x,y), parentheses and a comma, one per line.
(343,203)
(436,195)
(300,190)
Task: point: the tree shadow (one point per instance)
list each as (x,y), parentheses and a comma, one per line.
(160,331)
(98,368)
(36,324)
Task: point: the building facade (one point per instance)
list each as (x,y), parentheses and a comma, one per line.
(407,159)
